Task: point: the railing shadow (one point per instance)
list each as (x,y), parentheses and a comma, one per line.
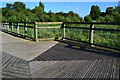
(18,35)
(69,50)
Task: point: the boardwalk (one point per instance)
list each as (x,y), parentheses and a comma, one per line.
(51,59)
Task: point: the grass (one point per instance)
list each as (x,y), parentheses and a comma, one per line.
(105,38)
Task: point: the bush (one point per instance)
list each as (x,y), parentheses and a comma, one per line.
(88,18)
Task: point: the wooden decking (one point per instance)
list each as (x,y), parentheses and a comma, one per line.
(13,67)
(75,69)
(62,61)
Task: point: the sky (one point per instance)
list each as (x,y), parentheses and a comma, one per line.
(82,8)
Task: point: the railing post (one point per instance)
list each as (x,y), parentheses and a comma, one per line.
(8,26)
(3,25)
(18,30)
(0,25)
(25,29)
(91,34)
(36,31)
(63,31)
(12,27)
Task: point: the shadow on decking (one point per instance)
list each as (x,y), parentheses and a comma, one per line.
(67,50)
(18,35)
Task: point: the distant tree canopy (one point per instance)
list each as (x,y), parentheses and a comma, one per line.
(19,6)
(95,12)
(88,18)
(110,11)
(18,12)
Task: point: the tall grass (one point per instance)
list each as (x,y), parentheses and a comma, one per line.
(105,38)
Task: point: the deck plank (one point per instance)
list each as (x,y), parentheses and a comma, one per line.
(14,67)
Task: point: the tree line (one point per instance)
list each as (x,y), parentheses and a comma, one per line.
(18,12)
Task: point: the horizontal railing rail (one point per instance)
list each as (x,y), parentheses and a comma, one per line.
(110,23)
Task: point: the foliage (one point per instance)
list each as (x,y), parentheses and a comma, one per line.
(103,14)
(19,6)
(110,11)
(9,6)
(18,12)
(88,18)
(117,9)
(117,17)
(95,12)
(107,18)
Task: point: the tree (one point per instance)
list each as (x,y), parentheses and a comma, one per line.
(88,18)
(41,5)
(117,17)
(117,9)
(21,17)
(67,19)
(12,18)
(10,13)
(18,12)
(103,14)
(109,18)
(19,6)
(110,11)
(101,19)
(60,18)
(4,18)
(95,12)
(38,9)
(71,13)
(9,6)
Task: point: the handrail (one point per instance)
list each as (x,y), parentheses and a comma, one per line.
(110,23)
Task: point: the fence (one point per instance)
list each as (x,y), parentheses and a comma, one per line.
(99,34)
(90,33)
(19,28)
(29,29)
(48,30)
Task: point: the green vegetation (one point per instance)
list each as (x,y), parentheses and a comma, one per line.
(106,38)
(17,12)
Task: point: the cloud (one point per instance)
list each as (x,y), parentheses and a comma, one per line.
(77,9)
(68,7)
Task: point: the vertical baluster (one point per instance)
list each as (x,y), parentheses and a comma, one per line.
(12,27)
(63,31)
(91,34)
(25,29)
(36,31)
(18,29)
